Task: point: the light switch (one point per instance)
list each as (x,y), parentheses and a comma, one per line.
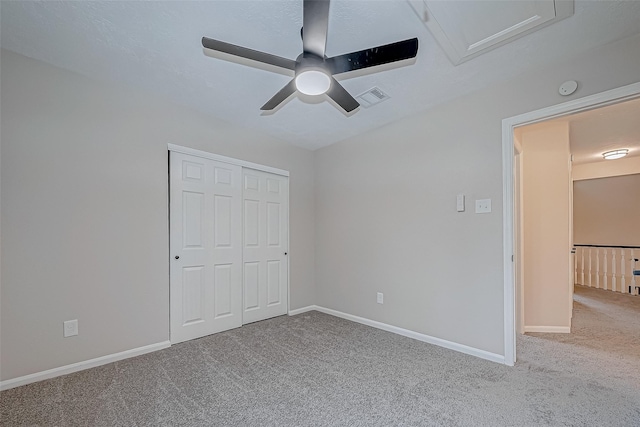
(483,206)
(460,203)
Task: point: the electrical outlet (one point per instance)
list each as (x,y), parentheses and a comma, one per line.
(70,328)
(380,298)
(483,206)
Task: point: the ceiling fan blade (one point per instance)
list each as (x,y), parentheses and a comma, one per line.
(280,97)
(343,98)
(315,22)
(380,55)
(244,52)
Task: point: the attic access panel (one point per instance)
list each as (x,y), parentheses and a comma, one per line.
(466,29)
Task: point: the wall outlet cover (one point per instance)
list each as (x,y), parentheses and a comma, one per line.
(70,328)
(380,298)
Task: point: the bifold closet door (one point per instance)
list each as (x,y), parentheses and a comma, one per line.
(265,246)
(206,246)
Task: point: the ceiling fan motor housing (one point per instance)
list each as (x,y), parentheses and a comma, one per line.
(308,60)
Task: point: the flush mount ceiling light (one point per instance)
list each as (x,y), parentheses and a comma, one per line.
(615,154)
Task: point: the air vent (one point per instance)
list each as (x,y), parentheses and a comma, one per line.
(371,97)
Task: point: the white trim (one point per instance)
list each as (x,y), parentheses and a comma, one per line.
(288,246)
(224,159)
(415,335)
(591,102)
(548,329)
(80,366)
(507,245)
(302,310)
(598,100)
(604,168)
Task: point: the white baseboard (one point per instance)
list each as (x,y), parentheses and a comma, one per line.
(75,367)
(302,310)
(548,329)
(415,335)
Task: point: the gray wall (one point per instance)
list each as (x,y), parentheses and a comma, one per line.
(606,211)
(84,209)
(385,205)
(84,212)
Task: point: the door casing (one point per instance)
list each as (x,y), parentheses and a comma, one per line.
(591,102)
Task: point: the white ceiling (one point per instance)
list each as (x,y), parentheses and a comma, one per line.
(604,129)
(156,46)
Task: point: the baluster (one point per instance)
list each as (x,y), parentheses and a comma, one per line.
(623,283)
(590,267)
(634,290)
(613,270)
(575,265)
(582,267)
(604,275)
(598,268)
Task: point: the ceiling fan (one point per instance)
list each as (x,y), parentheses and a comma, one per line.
(313,70)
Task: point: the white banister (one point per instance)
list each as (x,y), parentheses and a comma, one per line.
(582,266)
(623,282)
(613,269)
(604,275)
(634,289)
(598,268)
(575,265)
(610,268)
(590,274)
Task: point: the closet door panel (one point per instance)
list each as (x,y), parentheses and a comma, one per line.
(206,246)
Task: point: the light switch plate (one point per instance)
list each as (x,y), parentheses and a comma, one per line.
(460,203)
(483,206)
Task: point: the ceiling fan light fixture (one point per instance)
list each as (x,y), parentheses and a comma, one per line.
(314,71)
(615,154)
(313,82)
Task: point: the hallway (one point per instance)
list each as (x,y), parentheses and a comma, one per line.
(604,343)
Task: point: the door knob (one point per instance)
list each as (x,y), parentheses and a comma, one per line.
(285,253)
(177,256)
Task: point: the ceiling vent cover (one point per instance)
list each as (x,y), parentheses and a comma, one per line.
(372,97)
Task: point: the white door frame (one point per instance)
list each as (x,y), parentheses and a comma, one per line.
(601,99)
(518,257)
(230,160)
(255,166)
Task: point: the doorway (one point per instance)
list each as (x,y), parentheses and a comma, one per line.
(508,126)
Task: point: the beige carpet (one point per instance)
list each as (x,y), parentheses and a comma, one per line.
(318,370)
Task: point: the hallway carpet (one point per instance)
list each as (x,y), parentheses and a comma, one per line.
(318,370)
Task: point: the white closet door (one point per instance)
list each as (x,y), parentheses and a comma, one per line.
(206,246)
(265,246)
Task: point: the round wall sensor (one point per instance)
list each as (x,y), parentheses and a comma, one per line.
(568,87)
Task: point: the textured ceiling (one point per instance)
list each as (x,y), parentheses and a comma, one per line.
(156,46)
